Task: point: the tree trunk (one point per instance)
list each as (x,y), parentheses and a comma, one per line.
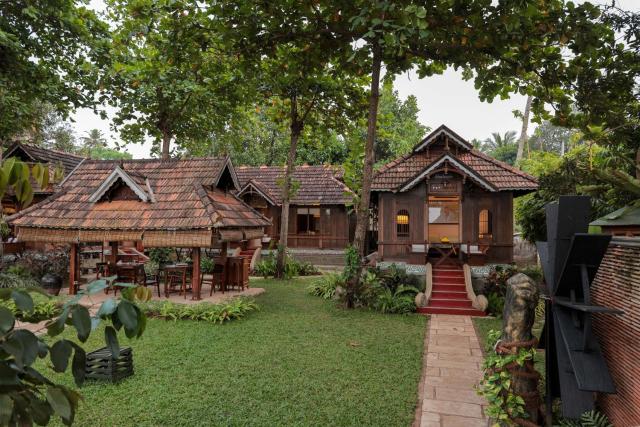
(525,126)
(296,130)
(638,163)
(518,318)
(362,213)
(166,141)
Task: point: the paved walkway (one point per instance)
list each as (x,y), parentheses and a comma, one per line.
(452,367)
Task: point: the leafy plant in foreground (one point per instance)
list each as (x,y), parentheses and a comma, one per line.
(27,396)
(588,419)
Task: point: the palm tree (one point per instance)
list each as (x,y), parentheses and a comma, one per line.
(93,139)
(499,141)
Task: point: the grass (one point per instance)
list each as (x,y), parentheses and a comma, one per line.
(300,360)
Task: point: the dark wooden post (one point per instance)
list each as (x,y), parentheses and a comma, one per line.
(195,273)
(518,318)
(73,269)
(113,259)
(225,267)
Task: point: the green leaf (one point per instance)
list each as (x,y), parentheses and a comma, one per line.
(6,408)
(81,321)
(127,314)
(59,402)
(97,286)
(22,299)
(55,327)
(78,365)
(7,321)
(60,353)
(111,339)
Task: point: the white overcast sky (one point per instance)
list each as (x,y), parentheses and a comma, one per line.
(444,99)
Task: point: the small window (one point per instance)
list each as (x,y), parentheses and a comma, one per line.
(402,223)
(485,220)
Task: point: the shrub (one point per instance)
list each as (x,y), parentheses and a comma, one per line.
(42,310)
(588,419)
(160,255)
(36,264)
(496,286)
(235,308)
(9,280)
(207,265)
(325,287)
(496,304)
(400,301)
(292,267)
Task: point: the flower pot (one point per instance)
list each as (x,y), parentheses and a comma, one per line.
(52,283)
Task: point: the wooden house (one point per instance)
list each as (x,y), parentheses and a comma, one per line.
(622,222)
(318,212)
(446,198)
(32,154)
(187,203)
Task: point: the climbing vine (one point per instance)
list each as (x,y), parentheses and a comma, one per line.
(505,407)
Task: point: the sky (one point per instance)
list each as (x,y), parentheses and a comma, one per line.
(444,99)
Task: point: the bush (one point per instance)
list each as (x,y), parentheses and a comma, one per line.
(496,304)
(496,286)
(42,310)
(400,301)
(207,265)
(325,287)
(9,280)
(292,267)
(235,308)
(36,264)
(160,255)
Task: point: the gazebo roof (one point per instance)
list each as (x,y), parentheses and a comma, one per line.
(428,155)
(624,217)
(184,202)
(318,184)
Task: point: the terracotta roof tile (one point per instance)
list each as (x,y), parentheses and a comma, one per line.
(391,176)
(320,184)
(182,202)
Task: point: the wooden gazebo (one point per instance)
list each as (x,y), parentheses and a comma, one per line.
(186,203)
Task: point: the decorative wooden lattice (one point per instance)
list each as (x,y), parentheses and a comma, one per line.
(101,366)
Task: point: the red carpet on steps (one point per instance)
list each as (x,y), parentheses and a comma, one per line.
(449,294)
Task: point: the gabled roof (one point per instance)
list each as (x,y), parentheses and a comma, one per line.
(623,217)
(441,131)
(138,184)
(255,186)
(35,153)
(319,184)
(185,196)
(493,175)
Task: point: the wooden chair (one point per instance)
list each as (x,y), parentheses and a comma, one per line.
(475,254)
(218,273)
(176,282)
(151,280)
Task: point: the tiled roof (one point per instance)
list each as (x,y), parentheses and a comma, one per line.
(503,177)
(44,155)
(319,184)
(184,191)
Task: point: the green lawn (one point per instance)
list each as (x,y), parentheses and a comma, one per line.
(300,360)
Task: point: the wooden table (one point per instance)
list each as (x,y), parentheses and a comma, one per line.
(445,250)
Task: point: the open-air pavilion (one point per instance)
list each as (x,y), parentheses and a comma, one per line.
(178,203)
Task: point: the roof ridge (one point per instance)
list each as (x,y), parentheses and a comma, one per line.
(183,159)
(33,145)
(502,164)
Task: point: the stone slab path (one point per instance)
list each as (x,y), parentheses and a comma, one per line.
(451,370)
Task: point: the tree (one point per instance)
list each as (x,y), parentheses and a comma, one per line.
(50,51)
(398,126)
(308,81)
(93,139)
(170,77)
(106,153)
(498,140)
(556,139)
(525,127)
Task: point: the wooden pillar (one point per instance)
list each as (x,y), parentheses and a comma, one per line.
(195,274)
(73,269)
(113,259)
(225,266)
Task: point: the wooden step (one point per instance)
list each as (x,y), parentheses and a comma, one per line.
(449,280)
(450,310)
(460,295)
(447,287)
(449,302)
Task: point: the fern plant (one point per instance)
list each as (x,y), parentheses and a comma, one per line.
(588,419)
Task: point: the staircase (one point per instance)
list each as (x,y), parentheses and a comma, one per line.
(449,294)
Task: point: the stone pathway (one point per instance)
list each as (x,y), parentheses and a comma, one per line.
(452,367)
